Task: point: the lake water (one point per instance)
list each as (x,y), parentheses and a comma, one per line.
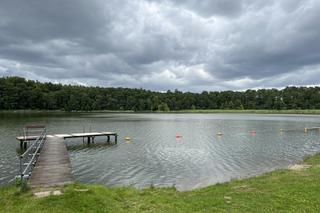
(155,156)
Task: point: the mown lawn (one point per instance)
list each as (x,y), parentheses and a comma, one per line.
(278,191)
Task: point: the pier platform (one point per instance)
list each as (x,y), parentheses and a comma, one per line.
(50,162)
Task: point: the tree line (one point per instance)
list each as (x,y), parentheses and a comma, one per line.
(19,93)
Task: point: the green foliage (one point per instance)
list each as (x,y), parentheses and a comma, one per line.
(18,93)
(163,107)
(278,191)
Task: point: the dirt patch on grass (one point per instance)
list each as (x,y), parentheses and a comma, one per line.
(47,193)
(299,167)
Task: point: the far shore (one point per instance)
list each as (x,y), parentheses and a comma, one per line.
(200,111)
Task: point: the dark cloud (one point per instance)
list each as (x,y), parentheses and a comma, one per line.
(43,20)
(190,45)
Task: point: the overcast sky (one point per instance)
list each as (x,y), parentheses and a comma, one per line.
(159,45)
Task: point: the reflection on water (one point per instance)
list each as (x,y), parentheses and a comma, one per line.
(85,145)
(185,150)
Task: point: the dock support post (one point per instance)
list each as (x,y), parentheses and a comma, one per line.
(23,144)
(88,140)
(108,138)
(116,138)
(93,139)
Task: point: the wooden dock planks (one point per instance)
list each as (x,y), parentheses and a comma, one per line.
(72,135)
(53,166)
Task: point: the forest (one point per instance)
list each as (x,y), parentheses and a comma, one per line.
(18,93)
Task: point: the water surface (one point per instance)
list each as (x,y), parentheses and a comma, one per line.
(155,156)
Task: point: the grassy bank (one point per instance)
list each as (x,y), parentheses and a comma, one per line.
(282,190)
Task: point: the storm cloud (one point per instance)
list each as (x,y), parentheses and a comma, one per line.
(189,45)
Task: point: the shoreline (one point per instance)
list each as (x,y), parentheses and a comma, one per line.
(200,111)
(294,189)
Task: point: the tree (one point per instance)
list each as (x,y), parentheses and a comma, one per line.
(19,93)
(163,107)
(155,103)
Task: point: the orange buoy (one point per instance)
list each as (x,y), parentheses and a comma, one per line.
(178,135)
(253,132)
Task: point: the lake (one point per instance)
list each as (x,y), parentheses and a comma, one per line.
(251,144)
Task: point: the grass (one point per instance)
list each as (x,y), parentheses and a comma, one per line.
(278,191)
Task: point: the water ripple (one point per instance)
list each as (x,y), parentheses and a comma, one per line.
(156,156)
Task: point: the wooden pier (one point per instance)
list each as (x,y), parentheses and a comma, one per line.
(89,135)
(53,167)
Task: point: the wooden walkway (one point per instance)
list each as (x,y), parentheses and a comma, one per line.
(53,166)
(89,135)
(72,135)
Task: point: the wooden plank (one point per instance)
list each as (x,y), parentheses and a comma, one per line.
(53,166)
(63,135)
(85,134)
(31,137)
(28,138)
(108,133)
(91,134)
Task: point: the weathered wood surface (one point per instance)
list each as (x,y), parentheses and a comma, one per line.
(91,134)
(30,137)
(53,166)
(72,135)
